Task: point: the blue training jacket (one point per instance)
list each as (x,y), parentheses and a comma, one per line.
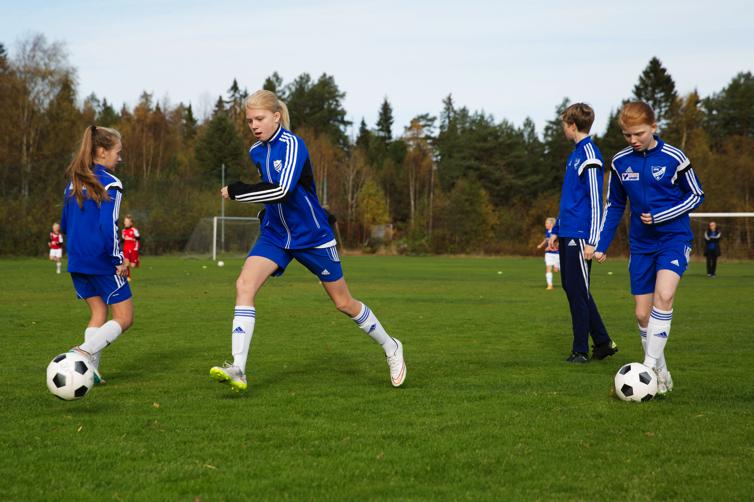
(92,230)
(658,181)
(293,217)
(581,197)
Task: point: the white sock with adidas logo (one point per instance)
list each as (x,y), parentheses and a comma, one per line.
(243,329)
(658,331)
(368,322)
(548,278)
(88,336)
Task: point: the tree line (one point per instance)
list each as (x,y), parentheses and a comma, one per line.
(459,181)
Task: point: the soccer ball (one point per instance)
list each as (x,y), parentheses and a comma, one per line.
(635,382)
(70,376)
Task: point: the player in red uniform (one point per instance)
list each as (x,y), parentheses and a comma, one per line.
(131,238)
(56,246)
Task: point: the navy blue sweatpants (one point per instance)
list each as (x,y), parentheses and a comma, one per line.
(574,274)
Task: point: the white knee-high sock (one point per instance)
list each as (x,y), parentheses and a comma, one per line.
(88,336)
(104,336)
(244,317)
(643,335)
(57,266)
(658,331)
(368,322)
(548,277)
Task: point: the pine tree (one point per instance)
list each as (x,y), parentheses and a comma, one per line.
(273,83)
(385,121)
(362,140)
(657,88)
(189,123)
(731,111)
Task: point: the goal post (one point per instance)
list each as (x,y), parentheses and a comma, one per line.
(217,236)
(220,221)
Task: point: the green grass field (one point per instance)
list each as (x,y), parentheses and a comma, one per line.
(489,409)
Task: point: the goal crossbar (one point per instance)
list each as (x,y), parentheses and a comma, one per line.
(721,215)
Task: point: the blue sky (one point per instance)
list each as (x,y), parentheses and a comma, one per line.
(511,59)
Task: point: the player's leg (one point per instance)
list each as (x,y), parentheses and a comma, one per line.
(575,283)
(255,272)
(642,310)
(713,271)
(369,324)
(658,328)
(603,344)
(548,271)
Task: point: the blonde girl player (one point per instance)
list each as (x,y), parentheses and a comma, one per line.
(552,255)
(662,187)
(294,226)
(90,221)
(56,246)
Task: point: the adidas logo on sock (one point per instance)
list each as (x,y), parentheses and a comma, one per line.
(661,335)
(325,272)
(675,262)
(372,328)
(238,329)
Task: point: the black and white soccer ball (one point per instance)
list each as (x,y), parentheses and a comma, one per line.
(635,382)
(70,376)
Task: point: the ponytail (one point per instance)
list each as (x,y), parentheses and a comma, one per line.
(266,100)
(80,172)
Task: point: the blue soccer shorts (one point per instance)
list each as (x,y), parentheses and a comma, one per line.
(643,268)
(322,262)
(111,288)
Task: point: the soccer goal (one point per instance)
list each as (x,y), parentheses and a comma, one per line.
(737,232)
(219,236)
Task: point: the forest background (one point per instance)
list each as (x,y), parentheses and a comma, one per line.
(452,181)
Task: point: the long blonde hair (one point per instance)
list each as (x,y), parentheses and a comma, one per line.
(266,100)
(80,169)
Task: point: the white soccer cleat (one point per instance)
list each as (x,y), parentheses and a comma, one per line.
(397,365)
(664,382)
(232,375)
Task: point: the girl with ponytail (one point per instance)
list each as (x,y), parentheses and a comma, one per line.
(294,226)
(90,221)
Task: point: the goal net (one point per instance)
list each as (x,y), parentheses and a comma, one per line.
(737,233)
(222,236)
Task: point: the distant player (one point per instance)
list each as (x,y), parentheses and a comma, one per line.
(712,248)
(662,188)
(90,222)
(294,226)
(131,241)
(576,231)
(56,246)
(552,255)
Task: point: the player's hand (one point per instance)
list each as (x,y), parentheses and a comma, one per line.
(646,218)
(588,252)
(553,240)
(600,257)
(122,269)
(224,192)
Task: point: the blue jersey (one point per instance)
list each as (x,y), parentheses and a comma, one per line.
(548,248)
(293,218)
(658,181)
(581,197)
(92,230)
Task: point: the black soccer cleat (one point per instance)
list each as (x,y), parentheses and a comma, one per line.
(604,350)
(578,358)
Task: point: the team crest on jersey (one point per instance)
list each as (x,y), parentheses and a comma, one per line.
(629,175)
(278,165)
(576,162)
(658,172)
